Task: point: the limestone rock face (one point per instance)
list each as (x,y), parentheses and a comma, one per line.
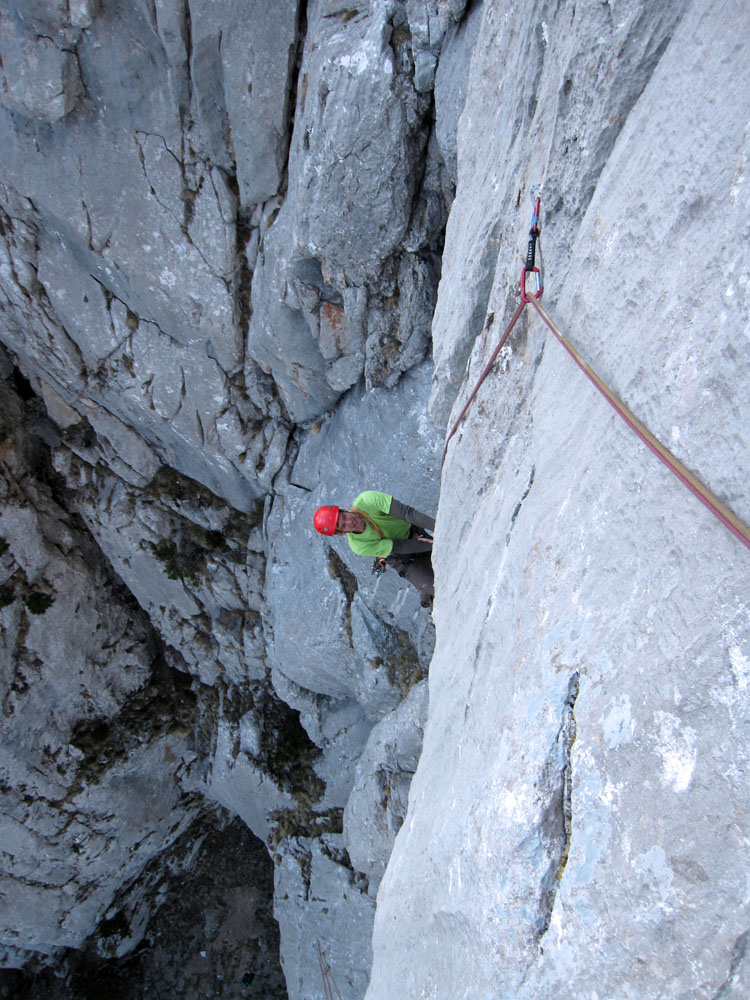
(345,282)
(39,73)
(252,259)
(242,60)
(123,262)
(93,765)
(202,250)
(376,807)
(576,821)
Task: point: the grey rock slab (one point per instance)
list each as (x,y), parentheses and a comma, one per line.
(562,90)
(63,867)
(379,439)
(126,73)
(78,299)
(428,22)
(377,804)
(206,78)
(242,69)
(198,591)
(104,333)
(238,783)
(328,277)
(317,902)
(38,78)
(173,394)
(159,246)
(576,821)
(342,733)
(58,409)
(451,84)
(280,338)
(81,12)
(399,324)
(173,28)
(51,16)
(126,452)
(354,174)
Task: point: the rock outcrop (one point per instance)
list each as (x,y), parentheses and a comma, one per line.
(252,259)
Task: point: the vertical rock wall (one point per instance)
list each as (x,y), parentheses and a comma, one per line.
(98,752)
(577,821)
(220,236)
(252,257)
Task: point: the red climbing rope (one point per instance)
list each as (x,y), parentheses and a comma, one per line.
(720,510)
(329,983)
(519,309)
(529,268)
(686,477)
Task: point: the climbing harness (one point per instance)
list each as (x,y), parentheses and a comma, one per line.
(720,510)
(330,988)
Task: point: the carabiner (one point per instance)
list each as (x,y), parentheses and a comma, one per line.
(535,216)
(539,285)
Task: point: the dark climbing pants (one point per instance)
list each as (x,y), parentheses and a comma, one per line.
(417,569)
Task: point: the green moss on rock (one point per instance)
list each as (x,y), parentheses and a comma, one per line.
(37,602)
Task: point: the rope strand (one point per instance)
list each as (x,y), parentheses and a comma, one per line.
(519,309)
(719,509)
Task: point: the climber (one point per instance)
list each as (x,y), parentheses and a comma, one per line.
(395,533)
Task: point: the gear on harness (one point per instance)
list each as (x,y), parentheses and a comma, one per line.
(378,566)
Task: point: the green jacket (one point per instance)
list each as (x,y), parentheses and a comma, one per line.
(391,517)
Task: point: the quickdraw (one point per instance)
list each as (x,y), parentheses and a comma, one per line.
(719,509)
(530,265)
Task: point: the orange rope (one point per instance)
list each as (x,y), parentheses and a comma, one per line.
(720,510)
(329,983)
(483,376)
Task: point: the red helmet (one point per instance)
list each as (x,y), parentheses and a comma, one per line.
(325,519)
